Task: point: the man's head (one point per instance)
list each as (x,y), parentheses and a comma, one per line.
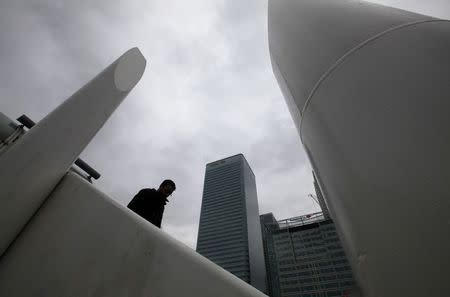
(167,187)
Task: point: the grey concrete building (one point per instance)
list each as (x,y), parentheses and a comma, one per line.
(229,230)
(304,258)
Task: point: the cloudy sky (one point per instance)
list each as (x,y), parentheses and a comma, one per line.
(208,92)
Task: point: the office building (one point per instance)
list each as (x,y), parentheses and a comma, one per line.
(304,258)
(229,230)
(268,225)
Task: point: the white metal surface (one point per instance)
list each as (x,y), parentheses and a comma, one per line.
(33,166)
(369,89)
(307,37)
(82,243)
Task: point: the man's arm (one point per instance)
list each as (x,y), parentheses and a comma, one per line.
(136,202)
(157,218)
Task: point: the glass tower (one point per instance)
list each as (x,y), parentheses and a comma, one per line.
(229,230)
(305,258)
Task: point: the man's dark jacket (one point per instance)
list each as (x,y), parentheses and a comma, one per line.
(149,204)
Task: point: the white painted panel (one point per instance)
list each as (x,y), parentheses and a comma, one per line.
(377,134)
(306,37)
(33,166)
(82,243)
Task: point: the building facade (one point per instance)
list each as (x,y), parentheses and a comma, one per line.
(304,258)
(268,226)
(229,230)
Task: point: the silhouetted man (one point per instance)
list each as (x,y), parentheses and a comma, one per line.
(149,203)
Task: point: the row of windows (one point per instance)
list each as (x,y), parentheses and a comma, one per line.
(218,241)
(233,230)
(309,249)
(207,244)
(236,255)
(318,294)
(297,274)
(315,264)
(332,240)
(305,234)
(231,261)
(322,274)
(223,236)
(213,246)
(212,185)
(323,281)
(212,177)
(221,227)
(215,179)
(314,257)
(300,243)
(243,272)
(214,199)
(245,276)
(224,179)
(320,250)
(220,219)
(229,251)
(330,274)
(214,220)
(228,163)
(310,288)
(311,252)
(227,216)
(222,186)
(239,229)
(223,190)
(208,194)
(306,239)
(222,207)
(222,169)
(234,266)
(217,210)
(298,240)
(308,246)
(322,269)
(228,205)
(327,226)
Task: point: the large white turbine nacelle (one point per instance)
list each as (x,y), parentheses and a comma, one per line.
(368,87)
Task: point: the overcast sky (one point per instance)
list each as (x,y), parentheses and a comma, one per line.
(208,92)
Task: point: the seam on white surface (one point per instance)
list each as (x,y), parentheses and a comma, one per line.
(350,52)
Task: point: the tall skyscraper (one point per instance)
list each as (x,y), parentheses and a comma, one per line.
(305,258)
(229,230)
